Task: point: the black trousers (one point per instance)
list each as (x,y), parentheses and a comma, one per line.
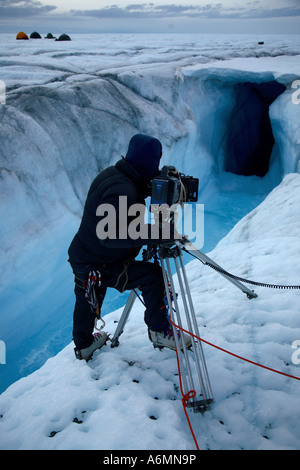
(145,276)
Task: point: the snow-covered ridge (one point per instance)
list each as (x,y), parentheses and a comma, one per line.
(128,397)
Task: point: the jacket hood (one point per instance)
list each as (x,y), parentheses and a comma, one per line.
(144,154)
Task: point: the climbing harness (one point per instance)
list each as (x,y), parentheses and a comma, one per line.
(93,282)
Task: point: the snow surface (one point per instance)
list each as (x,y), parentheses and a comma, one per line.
(128,397)
(70,111)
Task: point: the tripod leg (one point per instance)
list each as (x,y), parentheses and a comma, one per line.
(206,260)
(202,403)
(195,325)
(183,347)
(123,319)
(184,382)
(195,344)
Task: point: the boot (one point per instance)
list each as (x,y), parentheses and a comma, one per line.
(166,339)
(98,341)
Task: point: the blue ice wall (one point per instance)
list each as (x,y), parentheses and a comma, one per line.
(250,138)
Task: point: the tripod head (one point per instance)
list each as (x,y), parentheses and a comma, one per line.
(164,249)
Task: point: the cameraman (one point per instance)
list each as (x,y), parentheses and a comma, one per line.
(115,257)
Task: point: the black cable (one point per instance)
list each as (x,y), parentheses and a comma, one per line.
(241,279)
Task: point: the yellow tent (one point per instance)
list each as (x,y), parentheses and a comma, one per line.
(22,35)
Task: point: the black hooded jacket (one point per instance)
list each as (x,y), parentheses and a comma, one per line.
(119,180)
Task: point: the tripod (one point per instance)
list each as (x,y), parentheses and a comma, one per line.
(203,397)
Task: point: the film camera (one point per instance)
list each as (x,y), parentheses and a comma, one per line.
(171,187)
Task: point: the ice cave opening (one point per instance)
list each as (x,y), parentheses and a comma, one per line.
(249,139)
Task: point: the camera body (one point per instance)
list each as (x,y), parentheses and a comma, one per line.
(171,187)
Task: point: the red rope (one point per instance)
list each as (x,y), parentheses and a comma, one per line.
(235,355)
(192,393)
(185,399)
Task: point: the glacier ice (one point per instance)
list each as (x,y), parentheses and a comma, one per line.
(70,111)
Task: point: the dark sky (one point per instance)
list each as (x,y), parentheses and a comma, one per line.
(182,16)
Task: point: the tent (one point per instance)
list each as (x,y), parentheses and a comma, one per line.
(22,35)
(64,37)
(49,36)
(35,35)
